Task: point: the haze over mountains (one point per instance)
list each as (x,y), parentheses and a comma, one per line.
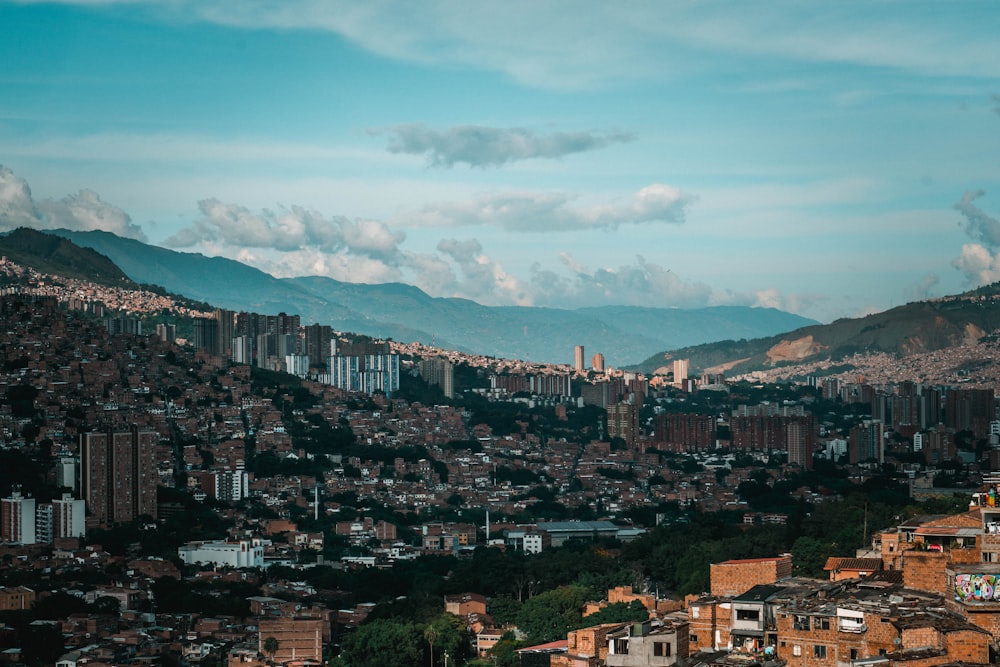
(624,334)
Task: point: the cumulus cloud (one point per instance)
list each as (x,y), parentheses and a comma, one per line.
(642,283)
(480,146)
(482,277)
(551,211)
(286,230)
(978,262)
(978,225)
(17,208)
(84,211)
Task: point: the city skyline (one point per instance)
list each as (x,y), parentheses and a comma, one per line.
(828,161)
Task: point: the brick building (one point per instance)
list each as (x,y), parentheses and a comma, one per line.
(734,577)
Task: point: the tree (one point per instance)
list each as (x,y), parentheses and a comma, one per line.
(550,615)
(431,635)
(619,612)
(383,643)
(270,647)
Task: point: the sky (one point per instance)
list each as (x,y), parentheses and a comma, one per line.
(828,159)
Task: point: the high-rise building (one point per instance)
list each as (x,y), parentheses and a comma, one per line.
(206,334)
(623,422)
(225,332)
(686,432)
(680,371)
(242,350)
(117,475)
(68,517)
(166,332)
(800,441)
(317,341)
(17,519)
(297,364)
(67,472)
(364,367)
(867,442)
(439,373)
(597,363)
(578,358)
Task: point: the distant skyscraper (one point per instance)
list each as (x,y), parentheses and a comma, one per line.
(439,373)
(242,350)
(206,334)
(318,342)
(799,439)
(623,422)
(578,358)
(297,364)
(225,332)
(117,475)
(867,442)
(680,371)
(166,332)
(364,367)
(597,363)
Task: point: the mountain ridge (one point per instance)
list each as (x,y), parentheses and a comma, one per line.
(916,327)
(624,334)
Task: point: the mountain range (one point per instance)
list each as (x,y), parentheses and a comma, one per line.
(914,328)
(624,334)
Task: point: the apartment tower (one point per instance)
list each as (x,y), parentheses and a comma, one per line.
(117,475)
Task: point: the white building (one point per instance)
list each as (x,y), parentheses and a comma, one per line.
(69,516)
(297,364)
(241,553)
(17,519)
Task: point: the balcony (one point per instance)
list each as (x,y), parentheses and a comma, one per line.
(852,627)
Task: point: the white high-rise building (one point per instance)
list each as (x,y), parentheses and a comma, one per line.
(17,519)
(68,517)
(297,364)
(680,371)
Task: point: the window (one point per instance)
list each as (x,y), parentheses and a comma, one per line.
(621,646)
(747,614)
(854,654)
(693,639)
(796,649)
(822,623)
(819,651)
(801,623)
(661,649)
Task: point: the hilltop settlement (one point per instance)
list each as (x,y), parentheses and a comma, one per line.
(186,485)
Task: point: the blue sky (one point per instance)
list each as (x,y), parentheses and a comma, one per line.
(830,159)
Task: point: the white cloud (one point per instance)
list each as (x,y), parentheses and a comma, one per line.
(977,264)
(552,211)
(84,211)
(978,225)
(286,230)
(639,284)
(566,45)
(483,279)
(480,146)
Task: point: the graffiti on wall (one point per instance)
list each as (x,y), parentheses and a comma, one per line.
(977,587)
